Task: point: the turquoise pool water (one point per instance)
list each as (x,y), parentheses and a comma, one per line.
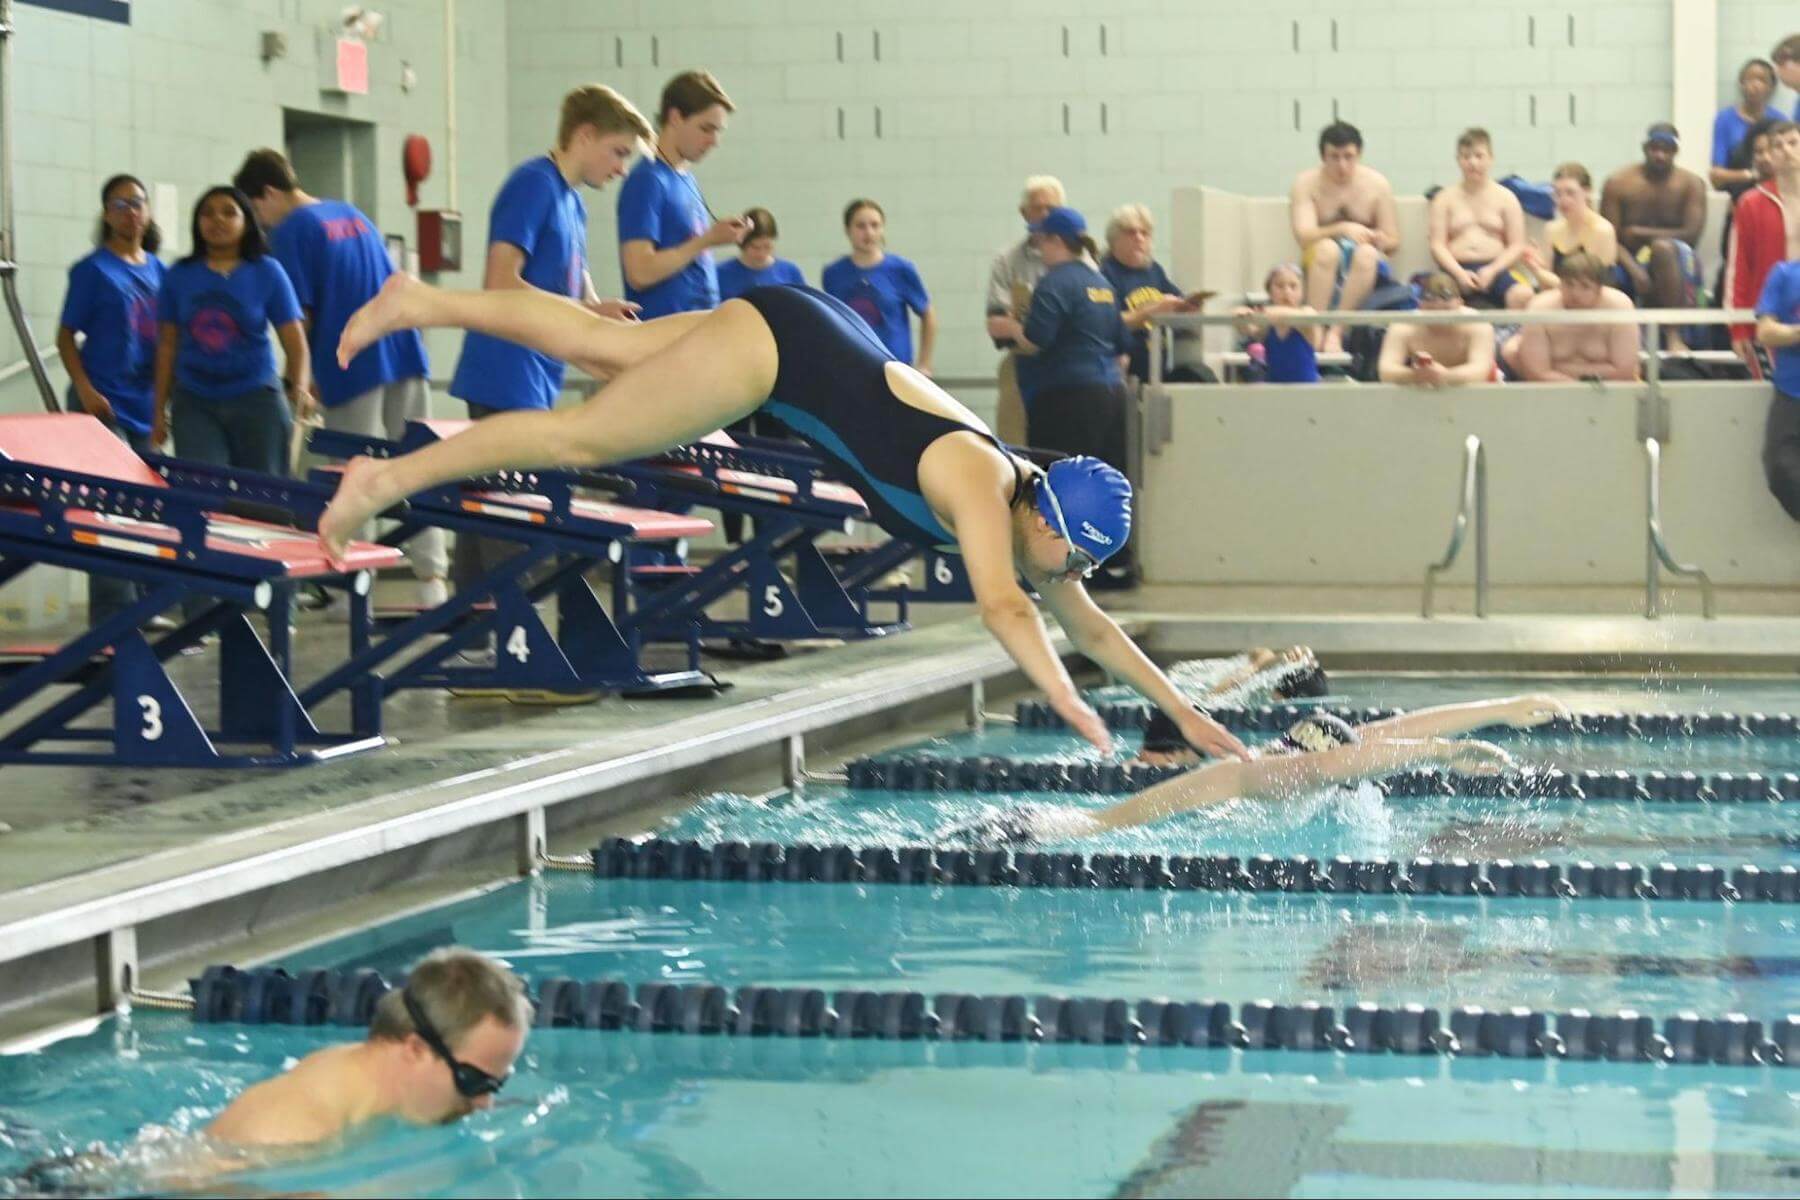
(609,1114)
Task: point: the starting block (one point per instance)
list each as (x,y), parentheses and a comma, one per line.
(72,495)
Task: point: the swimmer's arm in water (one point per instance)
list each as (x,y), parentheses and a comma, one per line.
(1449,720)
(965,482)
(1099,637)
(1281,776)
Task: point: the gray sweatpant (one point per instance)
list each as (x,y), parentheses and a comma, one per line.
(384,412)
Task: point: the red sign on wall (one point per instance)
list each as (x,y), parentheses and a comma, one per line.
(352,67)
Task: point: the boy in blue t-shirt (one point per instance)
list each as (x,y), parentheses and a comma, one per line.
(666,231)
(337,261)
(537,237)
(756,265)
(1778,328)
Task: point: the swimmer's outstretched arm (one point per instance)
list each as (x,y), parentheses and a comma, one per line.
(1292,775)
(1099,637)
(1448,720)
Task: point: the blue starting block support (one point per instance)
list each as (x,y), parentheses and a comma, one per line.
(73,496)
(561,536)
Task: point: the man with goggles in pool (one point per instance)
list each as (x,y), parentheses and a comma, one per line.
(438,1049)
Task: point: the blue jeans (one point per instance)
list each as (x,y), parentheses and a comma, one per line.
(250,431)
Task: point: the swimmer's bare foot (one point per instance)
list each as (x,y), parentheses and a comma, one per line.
(1261,657)
(395,306)
(1334,341)
(361,493)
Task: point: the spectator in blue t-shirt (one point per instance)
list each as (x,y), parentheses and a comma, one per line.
(666,231)
(1143,288)
(1073,347)
(337,260)
(756,265)
(112,375)
(1786,57)
(1731,169)
(537,238)
(883,288)
(216,383)
(1778,329)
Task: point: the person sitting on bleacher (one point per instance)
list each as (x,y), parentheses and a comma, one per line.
(1575,229)
(1659,211)
(1289,352)
(1343,216)
(1566,353)
(1478,230)
(1439,355)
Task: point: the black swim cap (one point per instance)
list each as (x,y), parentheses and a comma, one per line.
(1321,731)
(1308,681)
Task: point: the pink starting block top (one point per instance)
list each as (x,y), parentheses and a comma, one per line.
(78,442)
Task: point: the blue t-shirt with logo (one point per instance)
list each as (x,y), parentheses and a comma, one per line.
(537,211)
(113,302)
(883,295)
(1135,288)
(1781,299)
(336,260)
(223,321)
(735,278)
(663,206)
(1074,322)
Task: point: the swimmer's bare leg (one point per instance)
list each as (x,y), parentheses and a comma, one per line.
(720,371)
(1321,281)
(552,325)
(1365,263)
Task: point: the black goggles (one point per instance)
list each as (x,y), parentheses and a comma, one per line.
(471,1081)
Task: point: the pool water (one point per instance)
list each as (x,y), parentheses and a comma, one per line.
(608,1114)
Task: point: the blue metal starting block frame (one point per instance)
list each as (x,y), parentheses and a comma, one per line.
(167,526)
(560,537)
(781,488)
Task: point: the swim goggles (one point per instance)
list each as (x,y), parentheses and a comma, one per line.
(471,1081)
(1079,563)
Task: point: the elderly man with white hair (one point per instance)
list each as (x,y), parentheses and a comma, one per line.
(1010,285)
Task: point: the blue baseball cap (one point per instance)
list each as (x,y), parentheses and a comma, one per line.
(1062,221)
(1088,502)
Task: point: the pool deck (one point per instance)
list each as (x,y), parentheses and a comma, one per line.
(88,852)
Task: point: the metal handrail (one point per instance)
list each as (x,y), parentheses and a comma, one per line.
(1657,553)
(1495,316)
(1473,506)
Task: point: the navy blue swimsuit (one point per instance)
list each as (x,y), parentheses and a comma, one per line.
(831,388)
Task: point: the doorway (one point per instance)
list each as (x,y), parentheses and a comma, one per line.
(334,157)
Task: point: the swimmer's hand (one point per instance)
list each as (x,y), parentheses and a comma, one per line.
(1085,721)
(1476,758)
(727,231)
(1205,734)
(1526,712)
(614,310)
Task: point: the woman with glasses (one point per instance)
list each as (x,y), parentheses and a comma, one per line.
(930,471)
(111,303)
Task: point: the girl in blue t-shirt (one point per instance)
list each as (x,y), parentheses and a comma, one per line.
(1731,168)
(112,303)
(216,383)
(1289,352)
(882,288)
(756,264)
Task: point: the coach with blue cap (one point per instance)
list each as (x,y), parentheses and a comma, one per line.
(1072,348)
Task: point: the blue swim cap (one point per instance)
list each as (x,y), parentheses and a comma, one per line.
(1094,500)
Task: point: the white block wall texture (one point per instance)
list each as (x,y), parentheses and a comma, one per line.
(1125,101)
